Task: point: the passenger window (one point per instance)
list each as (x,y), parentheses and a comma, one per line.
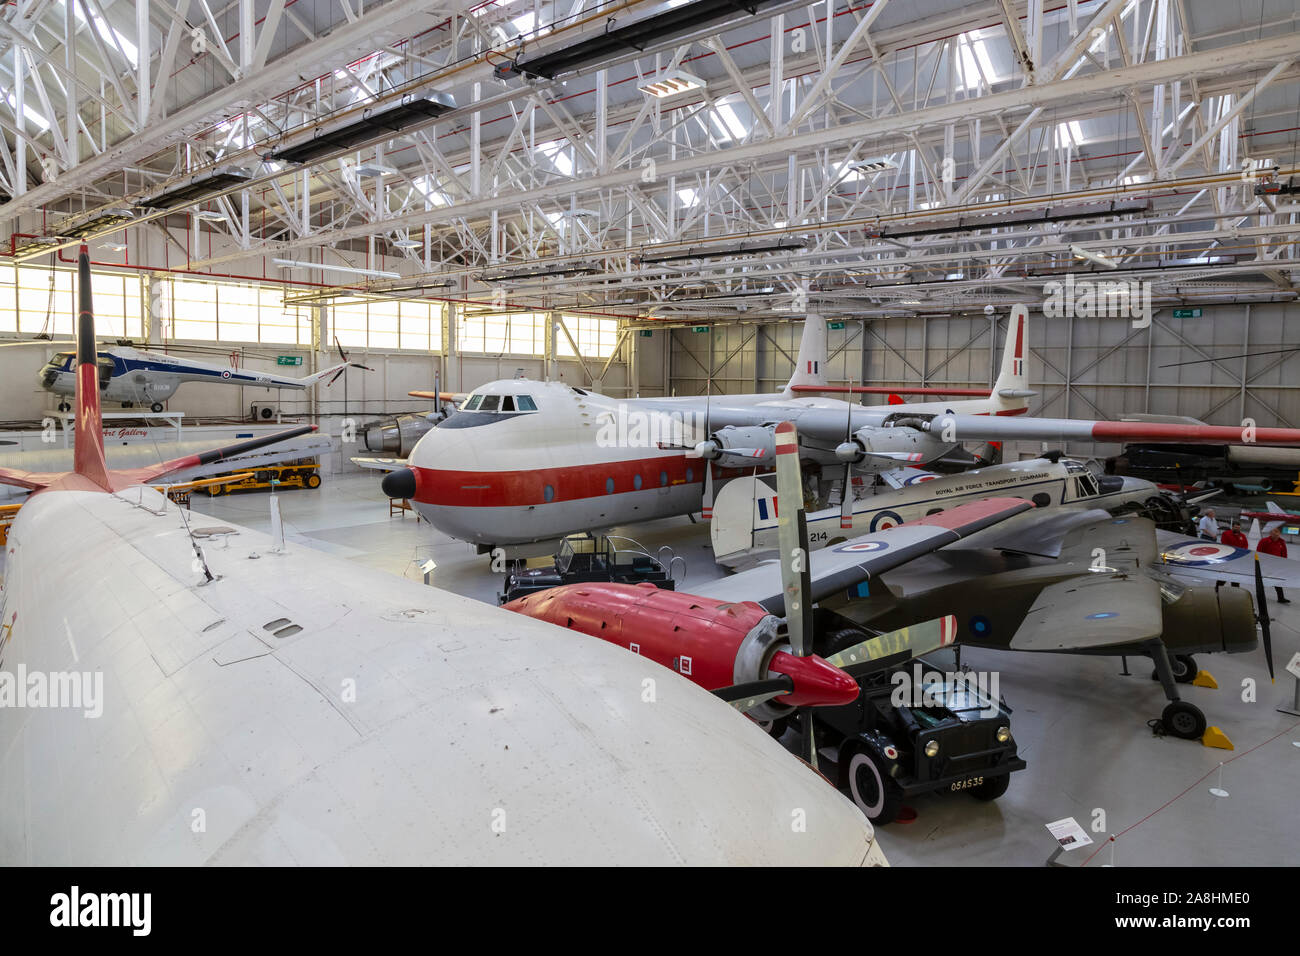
(609,486)
(508,403)
(663,479)
(636,482)
(490,403)
(525,403)
(548,493)
(690,474)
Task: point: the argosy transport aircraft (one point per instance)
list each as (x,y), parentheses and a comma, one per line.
(525,461)
(313,711)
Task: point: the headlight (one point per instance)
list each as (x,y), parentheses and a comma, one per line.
(1004,734)
(932,748)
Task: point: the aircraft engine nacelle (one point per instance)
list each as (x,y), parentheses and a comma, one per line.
(874,448)
(397,436)
(740,446)
(714,643)
(1208,621)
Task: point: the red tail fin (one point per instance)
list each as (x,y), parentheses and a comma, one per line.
(88,450)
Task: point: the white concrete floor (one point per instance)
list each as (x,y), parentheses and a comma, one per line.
(1081,726)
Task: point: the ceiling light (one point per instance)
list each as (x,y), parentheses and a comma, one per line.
(746,248)
(671,83)
(373,169)
(1081,253)
(294,264)
(407,243)
(879,164)
(198,186)
(100,219)
(373,123)
(209,215)
(113,246)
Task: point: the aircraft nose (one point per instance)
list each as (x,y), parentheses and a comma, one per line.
(399,484)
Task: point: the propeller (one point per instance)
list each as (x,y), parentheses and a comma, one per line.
(846,495)
(1261,604)
(349,364)
(706,512)
(796,579)
(885,650)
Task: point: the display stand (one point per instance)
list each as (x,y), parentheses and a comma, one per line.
(171,418)
(1294,709)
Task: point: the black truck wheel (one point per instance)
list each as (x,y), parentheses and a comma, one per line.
(876,793)
(992,787)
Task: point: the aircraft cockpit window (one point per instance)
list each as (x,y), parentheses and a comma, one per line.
(473,403)
(61,359)
(507,403)
(490,403)
(1088,486)
(525,403)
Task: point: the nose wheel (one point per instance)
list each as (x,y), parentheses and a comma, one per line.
(64,407)
(156,407)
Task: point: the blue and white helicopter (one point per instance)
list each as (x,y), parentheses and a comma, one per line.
(133,376)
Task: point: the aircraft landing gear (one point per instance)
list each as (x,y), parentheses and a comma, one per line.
(1184,667)
(156,407)
(1179,718)
(64,407)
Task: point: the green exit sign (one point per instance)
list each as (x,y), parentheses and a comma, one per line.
(1187,313)
(646,333)
(836,325)
(700,328)
(288,360)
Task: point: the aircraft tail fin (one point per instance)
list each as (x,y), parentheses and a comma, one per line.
(1012,385)
(810,367)
(1275,509)
(88,434)
(744,504)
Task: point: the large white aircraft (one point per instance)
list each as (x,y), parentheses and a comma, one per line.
(524,461)
(235,702)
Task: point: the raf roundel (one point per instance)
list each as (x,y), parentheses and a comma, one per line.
(225,373)
(885,519)
(863,546)
(1204,553)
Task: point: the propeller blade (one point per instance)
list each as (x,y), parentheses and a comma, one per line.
(809,740)
(749,695)
(846,499)
(342,354)
(792,535)
(707,511)
(364,368)
(1261,606)
(335,377)
(880,651)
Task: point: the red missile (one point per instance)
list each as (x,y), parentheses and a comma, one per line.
(699,638)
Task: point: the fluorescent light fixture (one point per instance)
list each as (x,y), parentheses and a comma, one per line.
(373,169)
(671,83)
(877,165)
(407,243)
(113,246)
(324,267)
(745,248)
(1081,253)
(209,215)
(95,221)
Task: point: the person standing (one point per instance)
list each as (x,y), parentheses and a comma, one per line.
(1208,526)
(1234,537)
(1275,546)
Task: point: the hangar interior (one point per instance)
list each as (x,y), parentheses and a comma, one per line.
(652,201)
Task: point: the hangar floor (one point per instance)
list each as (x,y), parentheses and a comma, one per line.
(1080,725)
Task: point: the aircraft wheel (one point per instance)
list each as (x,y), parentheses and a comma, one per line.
(64,407)
(313,480)
(876,793)
(156,407)
(1183,666)
(839,639)
(991,788)
(1183,720)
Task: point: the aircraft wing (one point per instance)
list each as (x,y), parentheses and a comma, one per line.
(1092,611)
(845,565)
(380,464)
(1199,560)
(902,477)
(1041,533)
(828,423)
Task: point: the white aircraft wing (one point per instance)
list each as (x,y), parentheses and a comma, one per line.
(846,565)
(1199,560)
(902,477)
(380,464)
